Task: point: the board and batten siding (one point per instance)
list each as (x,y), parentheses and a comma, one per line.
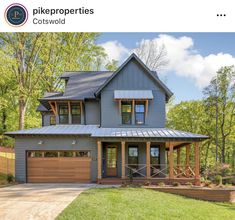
(92,112)
(132,77)
(46,119)
(24,144)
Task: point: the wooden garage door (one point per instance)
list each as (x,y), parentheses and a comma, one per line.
(58,166)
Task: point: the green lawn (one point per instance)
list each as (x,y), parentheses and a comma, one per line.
(139,203)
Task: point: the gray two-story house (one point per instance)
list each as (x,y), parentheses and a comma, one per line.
(106,127)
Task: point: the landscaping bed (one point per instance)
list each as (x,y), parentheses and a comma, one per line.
(217,194)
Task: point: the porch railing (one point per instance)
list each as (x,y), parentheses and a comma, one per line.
(159,171)
(136,170)
(182,171)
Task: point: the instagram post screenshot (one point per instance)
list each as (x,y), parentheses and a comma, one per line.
(117,110)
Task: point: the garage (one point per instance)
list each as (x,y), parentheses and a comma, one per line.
(58,167)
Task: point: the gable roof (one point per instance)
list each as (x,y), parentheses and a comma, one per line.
(151,73)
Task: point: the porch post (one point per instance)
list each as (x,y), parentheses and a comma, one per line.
(123,160)
(99,160)
(171,161)
(148,173)
(187,160)
(197,161)
(178,160)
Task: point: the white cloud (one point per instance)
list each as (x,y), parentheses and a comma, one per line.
(115,50)
(186,61)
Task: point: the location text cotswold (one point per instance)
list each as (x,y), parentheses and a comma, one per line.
(62,11)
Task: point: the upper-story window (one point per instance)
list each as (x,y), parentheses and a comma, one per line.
(126,112)
(76,114)
(63,114)
(139,113)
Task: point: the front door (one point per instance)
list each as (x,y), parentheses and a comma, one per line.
(111,160)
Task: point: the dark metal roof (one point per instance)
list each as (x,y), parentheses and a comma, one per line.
(42,108)
(81,85)
(96,131)
(133,94)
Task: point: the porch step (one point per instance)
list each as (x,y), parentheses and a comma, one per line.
(110,181)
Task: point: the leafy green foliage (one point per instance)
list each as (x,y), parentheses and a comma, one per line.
(10,178)
(218,180)
(32,64)
(215,117)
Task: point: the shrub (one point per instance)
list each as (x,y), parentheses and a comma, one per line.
(131,175)
(175,184)
(202,179)
(228,185)
(124,184)
(207,183)
(147,183)
(161,184)
(10,178)
(218,180)
(188,184)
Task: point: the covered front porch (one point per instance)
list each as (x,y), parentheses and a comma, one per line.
(148,159)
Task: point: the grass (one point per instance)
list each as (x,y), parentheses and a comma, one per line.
(139,203)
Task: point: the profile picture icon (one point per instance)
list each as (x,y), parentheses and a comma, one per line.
(16,15)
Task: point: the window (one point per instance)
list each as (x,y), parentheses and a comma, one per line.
(66,154)
(35,154)
(63,114)
(139,113)
(155,161)
(52,120)
(133,155)
(83,154)
(126,112)
(154,153)
(76,114)
(51,154)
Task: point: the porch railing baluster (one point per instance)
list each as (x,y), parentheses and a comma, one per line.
(159,171)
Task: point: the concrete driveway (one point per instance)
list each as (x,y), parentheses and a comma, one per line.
(37,201)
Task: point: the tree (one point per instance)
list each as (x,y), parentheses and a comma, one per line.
(191,116)
(153,54)
(111,65)
(38,59)
(219,101)
(7,87)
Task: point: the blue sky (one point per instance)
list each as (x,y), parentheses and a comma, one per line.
(194,57)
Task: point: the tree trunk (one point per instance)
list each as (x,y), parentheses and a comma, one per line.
(233,158)
(216,129)
(4,120)
(22,111)
(223,150)
(206,155)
